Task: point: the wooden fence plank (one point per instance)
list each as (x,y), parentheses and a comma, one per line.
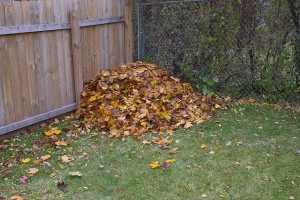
(128,31)
(30,64)
(96,40)
(47,68)
(2,46)
(76,49)
(37,119)
(37,48)
(53,56)
(11,30)
(89,41)
(65,7)
(101,37)
(13,61)
(60,59)
(20,53)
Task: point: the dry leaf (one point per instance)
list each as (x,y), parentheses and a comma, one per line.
(61,143)
(65,159)
(46,157)
(170,161)
(203,146)
(146,142)
(16,197)
(26,160)
(173,151)
(154,165)
(32,171)
(188,125)
(77,173)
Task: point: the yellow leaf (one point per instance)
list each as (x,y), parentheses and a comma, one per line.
(217,106)
(56,132)
(170,161)
(154,165)
(165,115)
(144,124)
(32,171)
(251,100)
(26,160)
(188,125)
(84,153)
(203,146)
(177,105)
(77,173)
(38,161)
(48,133)
(46,157)
(61,143)
(115,104)
(91,99)
(173,151)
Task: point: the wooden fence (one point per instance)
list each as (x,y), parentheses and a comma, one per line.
(49,48)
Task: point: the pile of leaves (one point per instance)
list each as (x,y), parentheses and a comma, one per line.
(139,98)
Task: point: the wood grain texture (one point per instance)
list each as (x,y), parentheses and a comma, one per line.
(76,49)
(38,72)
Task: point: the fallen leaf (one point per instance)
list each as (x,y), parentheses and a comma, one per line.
(165,166)
(251,100)
(16,197)
(203,146)
(170,161)
(56,132)
(32,171)
(77,173)
(48,133)
(23,180)
(26,160)
(154,165)
(173,151)
(61,143)
(146,142)
(188,125)
(46,157)
(62,186)
(65,159)
(38,161)
(217,106)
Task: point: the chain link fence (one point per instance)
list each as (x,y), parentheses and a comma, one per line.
(244,48)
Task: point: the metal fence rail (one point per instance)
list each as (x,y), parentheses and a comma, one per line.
(238,48)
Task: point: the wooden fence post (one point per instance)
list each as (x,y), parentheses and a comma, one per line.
(76,53)
(128,31)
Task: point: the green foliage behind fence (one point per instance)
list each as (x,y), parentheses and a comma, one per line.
(238,48)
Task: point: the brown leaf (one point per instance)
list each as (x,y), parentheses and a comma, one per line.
(62,186)
(173,151)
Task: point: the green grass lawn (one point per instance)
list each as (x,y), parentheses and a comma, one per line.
(251,153)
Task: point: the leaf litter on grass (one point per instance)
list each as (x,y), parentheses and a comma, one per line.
(130,100)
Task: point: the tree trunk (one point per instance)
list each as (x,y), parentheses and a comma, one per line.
(295,17)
